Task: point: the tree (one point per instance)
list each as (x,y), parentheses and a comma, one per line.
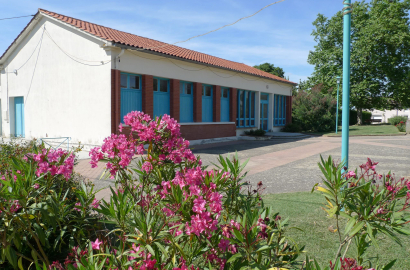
(380,54)
(313,110)
(270,68)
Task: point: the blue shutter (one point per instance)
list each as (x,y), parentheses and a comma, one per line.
(207,104)
(186,100)
(280,110)
(19,116)
(131,95)
(225,105)
(161,98)
(131,100)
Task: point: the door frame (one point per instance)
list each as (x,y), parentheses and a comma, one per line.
(264,103)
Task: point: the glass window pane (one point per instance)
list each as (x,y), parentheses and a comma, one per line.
(189,88)
(134,82)
(241,110)
(124,80)
(155,84)
(241,123)
(247,104)
(265,111)
(163,86)
(252,123)
(208,90)
(264,97)
(252,105)
(247,122)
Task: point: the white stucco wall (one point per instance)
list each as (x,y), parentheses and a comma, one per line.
(66,98)
(385,115)
(156,65)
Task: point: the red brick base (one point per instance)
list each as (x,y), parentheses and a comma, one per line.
(199,132)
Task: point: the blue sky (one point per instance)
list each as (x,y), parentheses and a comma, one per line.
(280,34)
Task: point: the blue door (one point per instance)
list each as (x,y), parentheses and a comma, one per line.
(19,116)
(186,113)
(131,95)
(161,97)
(207,103)
(264,111)
(224,104)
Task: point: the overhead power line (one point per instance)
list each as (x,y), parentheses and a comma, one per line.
(217,29)
(16,17)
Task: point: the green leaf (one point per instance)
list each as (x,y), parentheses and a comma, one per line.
(234,257)
(357,228)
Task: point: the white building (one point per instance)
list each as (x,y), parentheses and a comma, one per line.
(386,114)
(64,77)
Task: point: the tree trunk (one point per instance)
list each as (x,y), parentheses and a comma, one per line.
(359,116)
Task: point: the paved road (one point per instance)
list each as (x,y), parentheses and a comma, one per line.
(291,165)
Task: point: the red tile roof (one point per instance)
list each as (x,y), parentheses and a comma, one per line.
(128,39)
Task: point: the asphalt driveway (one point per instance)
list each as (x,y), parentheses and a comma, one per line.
(291,165)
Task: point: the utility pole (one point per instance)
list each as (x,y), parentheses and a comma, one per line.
(347,10)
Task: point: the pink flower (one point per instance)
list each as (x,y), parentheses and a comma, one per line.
(36,186)
(95,203)
(199,205)
(223,244)
(96,244)
(77,207)
(350,174)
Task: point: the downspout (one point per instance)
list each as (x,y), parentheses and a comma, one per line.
(118,57)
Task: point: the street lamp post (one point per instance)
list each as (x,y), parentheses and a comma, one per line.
(347,10)
(337,104)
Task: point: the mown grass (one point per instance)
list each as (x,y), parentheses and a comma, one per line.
(366,130)
(305,212)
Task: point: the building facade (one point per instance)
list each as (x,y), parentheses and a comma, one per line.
(64,77)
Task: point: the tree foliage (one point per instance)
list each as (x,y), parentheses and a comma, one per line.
(270,68)
(314,110)
(380,54)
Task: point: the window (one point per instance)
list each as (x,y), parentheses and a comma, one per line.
(225,104)
(279,118)
(186,98)
(207,103)
(161,97)
(246,109)
(131,95)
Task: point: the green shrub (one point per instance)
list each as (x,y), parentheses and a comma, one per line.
(401,126)
(15,148)
(45,209)
(292,127)
(314,111)
(397,119)
(366,117)
(256,132)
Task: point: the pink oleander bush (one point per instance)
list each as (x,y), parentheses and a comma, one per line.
(45,209)
(170,212)
(370,204)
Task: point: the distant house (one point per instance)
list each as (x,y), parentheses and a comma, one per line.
(64,77)
(383,116)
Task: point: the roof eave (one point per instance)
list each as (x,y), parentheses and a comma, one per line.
(123,46)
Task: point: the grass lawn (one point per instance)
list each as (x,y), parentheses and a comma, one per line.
(305,212)
(379,129)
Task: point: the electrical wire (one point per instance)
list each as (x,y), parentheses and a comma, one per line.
(41,38)
(35,66)
(217,29)
(16,17)
(209,68)
(75,58)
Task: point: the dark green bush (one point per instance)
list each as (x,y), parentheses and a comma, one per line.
(292,127)
(366,116)
(314,111)
(256,132)
(397,119)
